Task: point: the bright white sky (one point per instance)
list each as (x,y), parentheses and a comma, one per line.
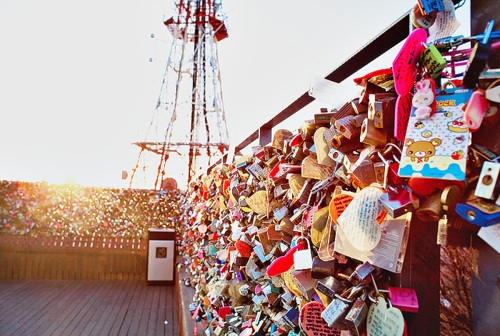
(77,87)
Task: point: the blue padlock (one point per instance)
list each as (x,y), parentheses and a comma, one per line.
(479,211)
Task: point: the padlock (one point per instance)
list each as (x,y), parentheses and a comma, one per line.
(358,107)
(361,274)
(291,317)
(330,286)
(344,144)
(488,183)
(431,210)
(302,259)
(478,59)
(304,282)
(369,89)
(399,201)
(329,134)
(450,196)
(475,109)
(336,311)
(433,62)
(479,211)
(405,299)
(383,112)
(321,269)
(336,155)
(356,318)
(371,135)
(420,20)
(323,119)
(308,129)
(346,110)
(347,126)
(364,173)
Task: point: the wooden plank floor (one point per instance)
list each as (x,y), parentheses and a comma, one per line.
(87,308)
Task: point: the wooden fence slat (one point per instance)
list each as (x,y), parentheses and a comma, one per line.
(71,258)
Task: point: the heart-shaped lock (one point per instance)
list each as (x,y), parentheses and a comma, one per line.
(282,264)
(383,321)
(312,323)
(338,204)
(302,259)
(244,249)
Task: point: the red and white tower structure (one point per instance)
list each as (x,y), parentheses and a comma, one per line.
(189,119)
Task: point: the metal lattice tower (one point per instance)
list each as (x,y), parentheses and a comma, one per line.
(189,117)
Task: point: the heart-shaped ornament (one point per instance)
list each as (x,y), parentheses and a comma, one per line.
(312,323)
(244,249)
(282,264)
(359,219)
(258,202)
(383,321)
(338,204)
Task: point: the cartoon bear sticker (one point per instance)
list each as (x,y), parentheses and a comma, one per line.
(421,150)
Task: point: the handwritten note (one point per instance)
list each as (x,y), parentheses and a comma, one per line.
(338,204)
(359,219)
(384,322)
(404,66)
(446,23)
(312,323)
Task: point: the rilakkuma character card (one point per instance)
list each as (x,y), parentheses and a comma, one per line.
(437,147)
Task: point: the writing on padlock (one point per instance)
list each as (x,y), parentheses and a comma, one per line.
(312,323)
(338,309)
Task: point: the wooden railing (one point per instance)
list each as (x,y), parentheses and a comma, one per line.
(72,258)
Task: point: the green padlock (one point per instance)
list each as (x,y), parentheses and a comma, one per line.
(433,61)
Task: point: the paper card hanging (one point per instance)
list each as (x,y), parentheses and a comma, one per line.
(437,147)
(389,252)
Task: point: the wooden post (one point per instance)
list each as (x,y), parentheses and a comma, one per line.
(421,272)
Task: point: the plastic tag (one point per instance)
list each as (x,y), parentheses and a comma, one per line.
(427,6)
(384,321)
(437,147)
(403,110)
(404,66)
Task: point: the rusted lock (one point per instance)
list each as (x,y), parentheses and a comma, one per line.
(371,135)
(359,107)
(356,318)
(369,89)
(308,129)
(322,269)
(350,126)
(383,111)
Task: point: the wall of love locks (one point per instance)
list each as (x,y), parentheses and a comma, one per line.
(335,228)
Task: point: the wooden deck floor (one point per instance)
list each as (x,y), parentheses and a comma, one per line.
(87,307)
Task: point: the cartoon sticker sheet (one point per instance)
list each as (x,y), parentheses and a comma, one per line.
(437,147)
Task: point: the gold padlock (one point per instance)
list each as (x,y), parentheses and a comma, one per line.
(432,209)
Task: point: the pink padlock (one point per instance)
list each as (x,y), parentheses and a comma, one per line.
(237,215)
(405,299)
(475,110)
